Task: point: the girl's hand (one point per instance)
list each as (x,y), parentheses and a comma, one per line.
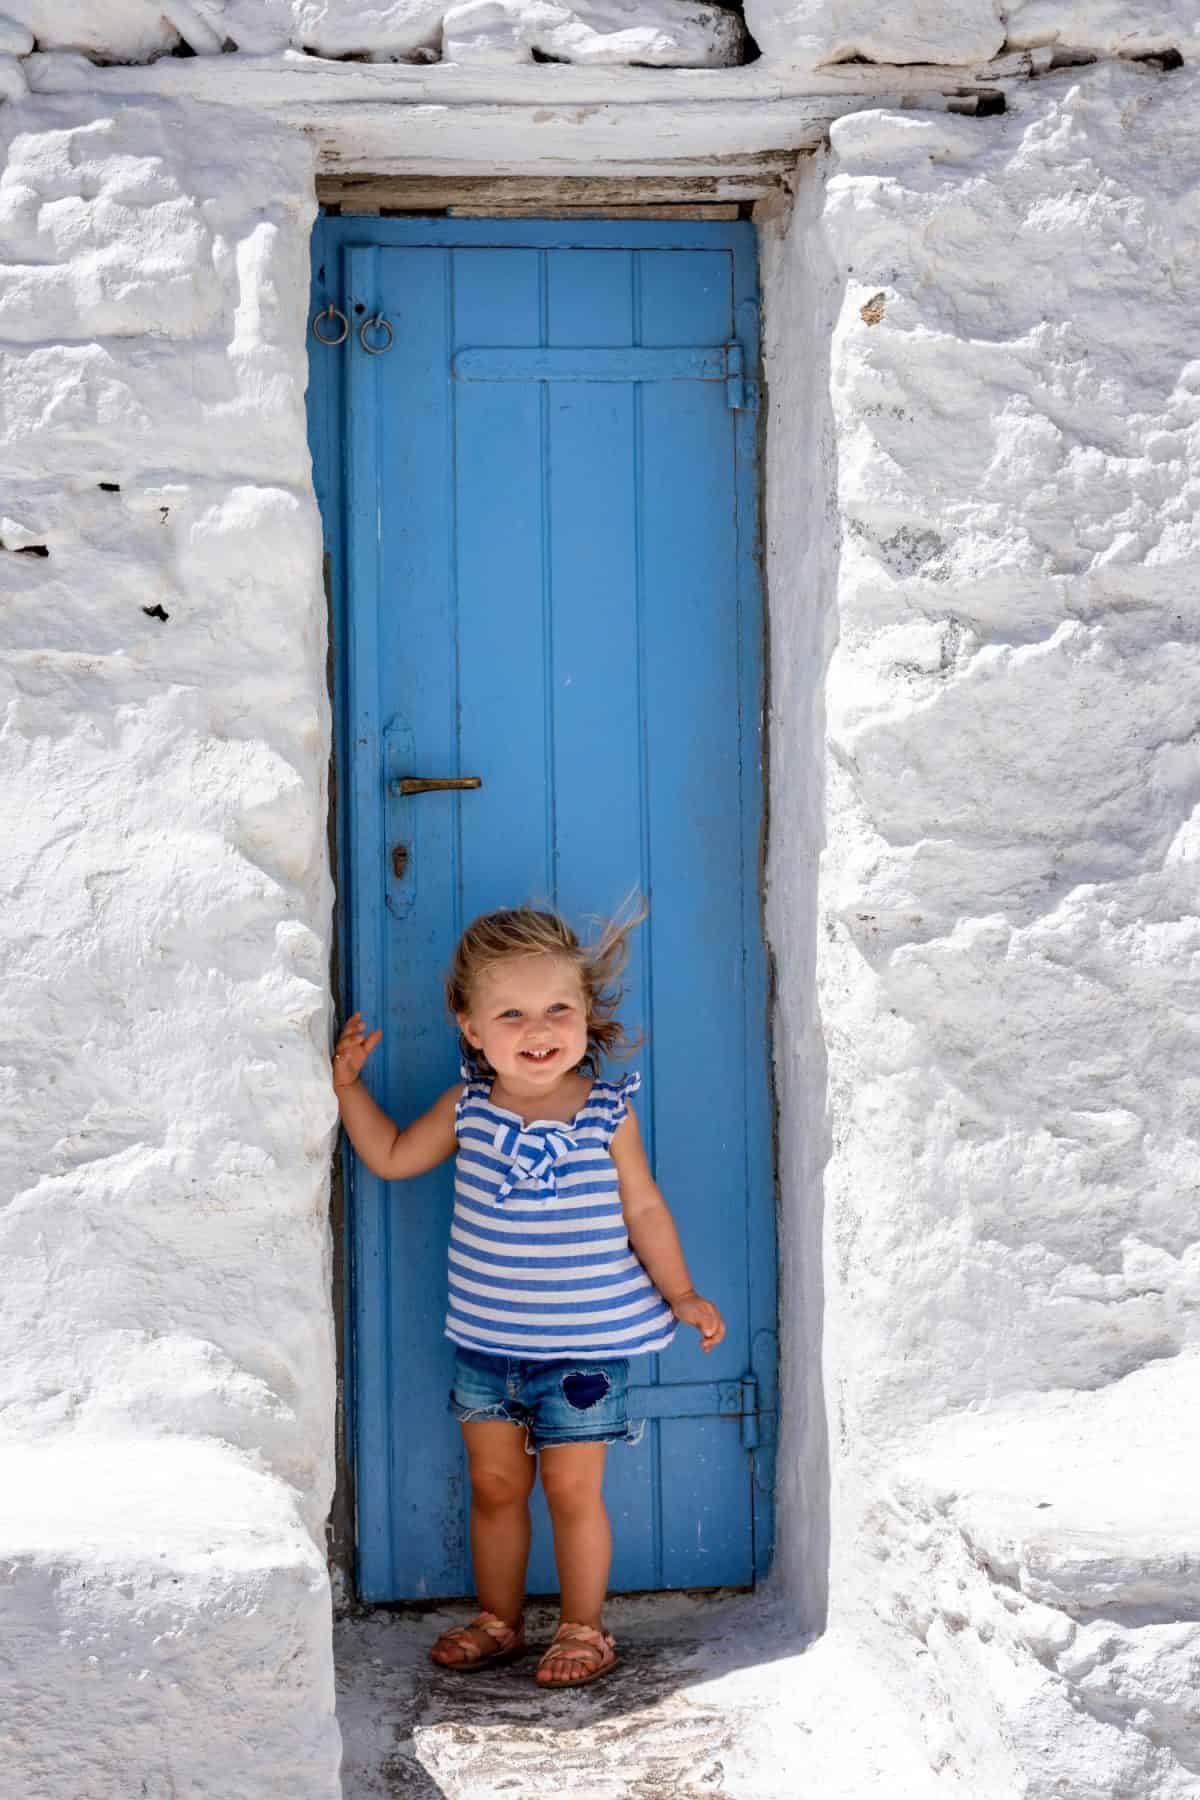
(703,1315)
(353,1049)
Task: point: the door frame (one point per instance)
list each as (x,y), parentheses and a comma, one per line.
(328,375)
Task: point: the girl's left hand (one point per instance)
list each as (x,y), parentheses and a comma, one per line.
(353,1048)
(693,1310)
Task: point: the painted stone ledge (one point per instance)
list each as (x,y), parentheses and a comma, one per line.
(1045,1555)
(171,1636)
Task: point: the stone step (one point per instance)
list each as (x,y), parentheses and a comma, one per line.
(1085,1501)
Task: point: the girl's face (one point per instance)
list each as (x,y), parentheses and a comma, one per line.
(529,1017)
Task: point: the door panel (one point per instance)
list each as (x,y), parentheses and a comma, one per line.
(544,575)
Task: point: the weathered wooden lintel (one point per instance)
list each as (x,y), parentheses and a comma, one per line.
(702,196)
(676,210)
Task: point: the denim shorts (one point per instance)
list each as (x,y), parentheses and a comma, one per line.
(557,1402)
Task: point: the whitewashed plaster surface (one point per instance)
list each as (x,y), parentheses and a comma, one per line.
(166,1345)
(1008,946)
(802,34)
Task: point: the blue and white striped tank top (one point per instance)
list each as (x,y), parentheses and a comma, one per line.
(540,1261)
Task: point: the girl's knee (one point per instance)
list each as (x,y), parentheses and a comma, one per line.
(570,1492)
(494,1489)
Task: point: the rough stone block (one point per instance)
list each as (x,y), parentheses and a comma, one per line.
(116,30)
(388,28)
(1106,27)
(666,33)
(16,39)
(807,33)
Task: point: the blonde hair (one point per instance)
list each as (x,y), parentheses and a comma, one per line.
(527,931)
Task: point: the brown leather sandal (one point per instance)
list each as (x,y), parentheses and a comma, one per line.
(594,1651)
(508,1642)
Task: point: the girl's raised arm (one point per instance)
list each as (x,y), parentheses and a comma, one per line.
(388,1151)
(654,1238)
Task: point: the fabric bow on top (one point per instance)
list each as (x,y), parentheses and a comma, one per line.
(534,1153)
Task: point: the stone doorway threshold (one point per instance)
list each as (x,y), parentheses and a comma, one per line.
(715,1699)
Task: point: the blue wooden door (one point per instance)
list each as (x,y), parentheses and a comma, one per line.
(540,499)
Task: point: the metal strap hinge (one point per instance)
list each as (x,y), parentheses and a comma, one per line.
(741,393)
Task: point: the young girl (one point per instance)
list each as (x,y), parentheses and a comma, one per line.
(564,1261)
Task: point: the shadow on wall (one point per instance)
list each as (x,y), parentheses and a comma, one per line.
(801,293)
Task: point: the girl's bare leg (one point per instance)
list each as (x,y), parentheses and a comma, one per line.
(571,1479)
(502,1476)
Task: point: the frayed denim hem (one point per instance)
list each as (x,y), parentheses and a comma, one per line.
(633,1434)
(469,1413)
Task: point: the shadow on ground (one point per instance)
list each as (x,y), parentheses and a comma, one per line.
(665,1723)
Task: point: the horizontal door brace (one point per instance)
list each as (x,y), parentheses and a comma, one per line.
(725,362)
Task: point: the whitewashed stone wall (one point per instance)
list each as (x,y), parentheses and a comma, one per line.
(802,34)
(166,1348)
(665,33)
(983,474)
(1007,940)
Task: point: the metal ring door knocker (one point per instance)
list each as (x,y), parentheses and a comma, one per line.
(379,323)
(331,313)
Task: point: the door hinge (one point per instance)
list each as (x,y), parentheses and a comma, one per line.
(741,392)
(749,1412)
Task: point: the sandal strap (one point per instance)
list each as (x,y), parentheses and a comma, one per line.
(579,1643)
(497,1629)
(494,1626)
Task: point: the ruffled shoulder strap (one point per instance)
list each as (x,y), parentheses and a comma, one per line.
(474,1089)
(626,1088)
(611,1100)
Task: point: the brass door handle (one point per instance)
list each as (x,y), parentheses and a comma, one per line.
(418,784)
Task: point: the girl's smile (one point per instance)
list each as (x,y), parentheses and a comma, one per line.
(529,1018)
